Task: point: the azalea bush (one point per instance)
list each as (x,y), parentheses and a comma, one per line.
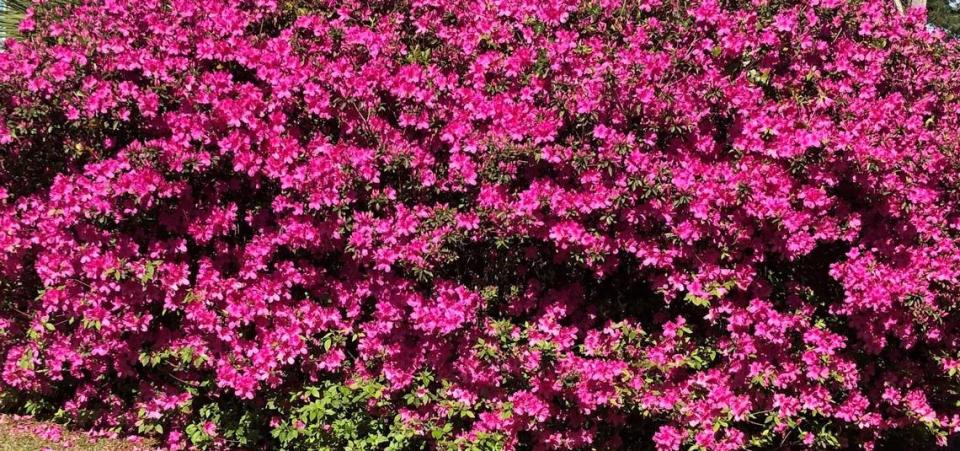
(516,224)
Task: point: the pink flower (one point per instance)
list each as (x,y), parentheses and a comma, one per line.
(532,221)
(669,438)
(210,428)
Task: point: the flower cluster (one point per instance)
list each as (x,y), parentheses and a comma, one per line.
(560,223)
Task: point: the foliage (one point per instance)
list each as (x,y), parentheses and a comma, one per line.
(420,224)
(942,14)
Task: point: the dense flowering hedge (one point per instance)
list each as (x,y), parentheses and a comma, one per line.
(482,224)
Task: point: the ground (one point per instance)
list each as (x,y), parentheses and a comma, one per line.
(24,434)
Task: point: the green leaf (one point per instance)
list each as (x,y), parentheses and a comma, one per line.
(26,360)
(149,270)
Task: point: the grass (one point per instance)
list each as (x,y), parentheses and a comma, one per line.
(24,434)
(11,11)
